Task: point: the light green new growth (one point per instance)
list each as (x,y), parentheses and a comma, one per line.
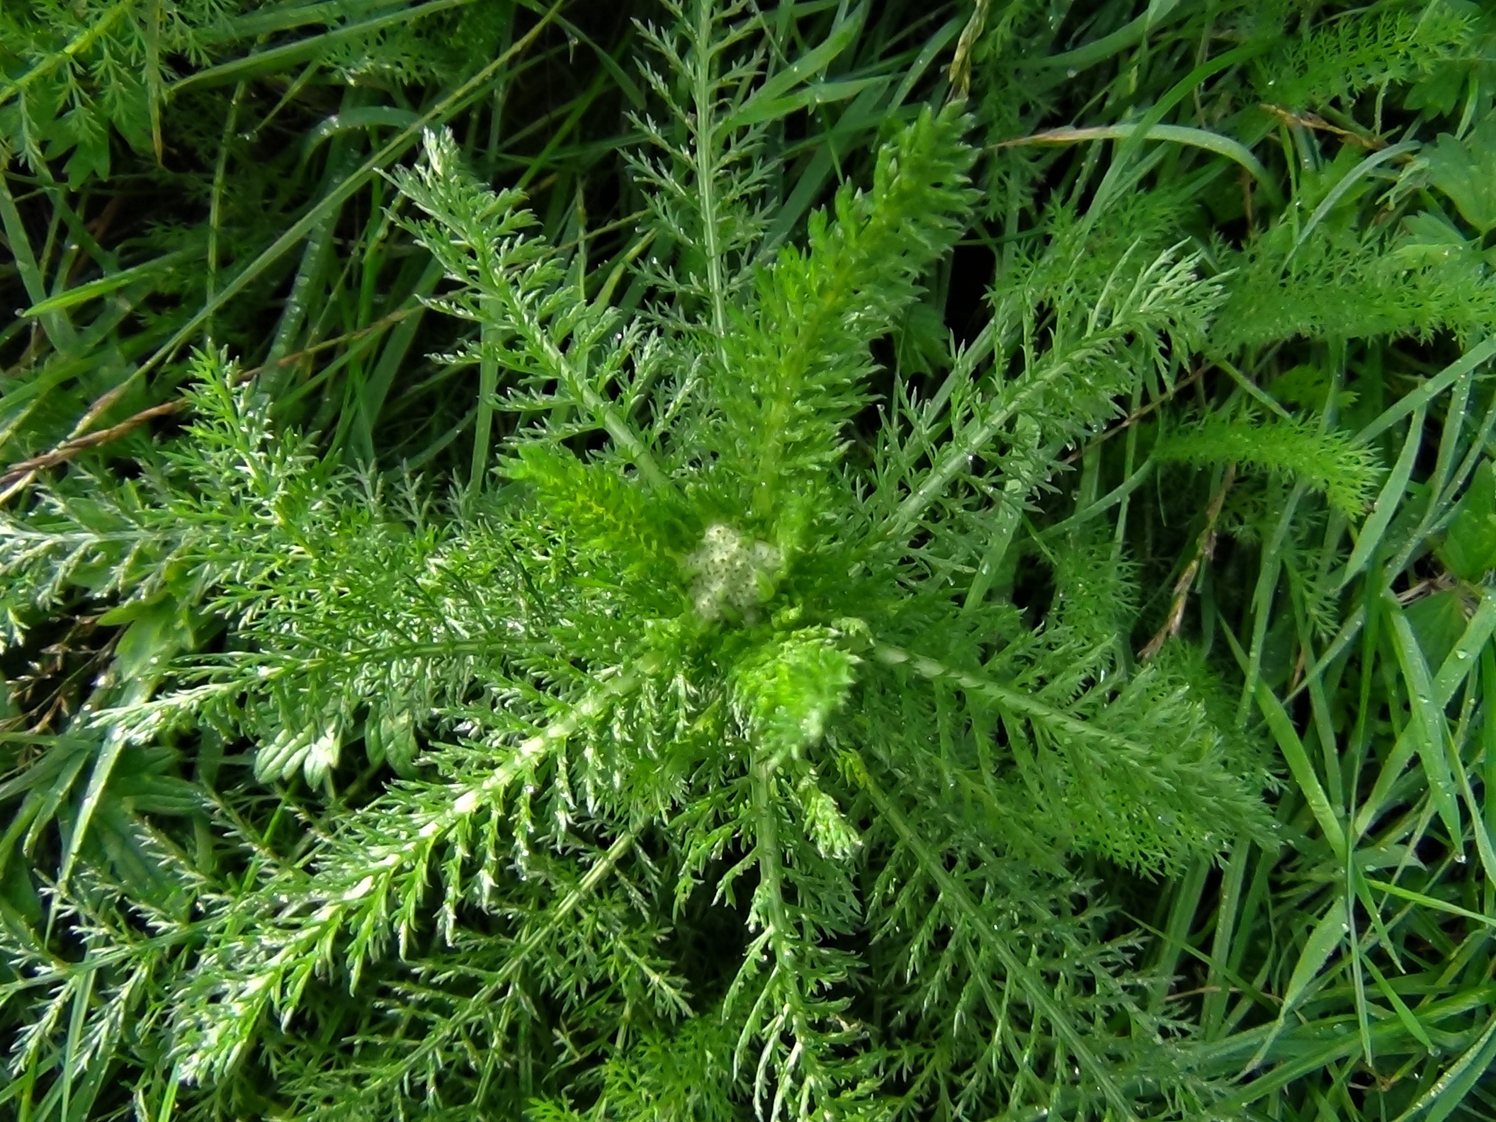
(1333,463)
(1352,51)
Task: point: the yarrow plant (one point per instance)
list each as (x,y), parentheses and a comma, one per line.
(718,671)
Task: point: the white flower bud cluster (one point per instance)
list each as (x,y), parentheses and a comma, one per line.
(731,573)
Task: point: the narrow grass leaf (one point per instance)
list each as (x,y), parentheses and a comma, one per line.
(1418,400)
(1430,902)
(1302,769)
(1178,134)
(761,106)
(1408,1018)
(1463,659)
(1431,731)
(1387,503)
(1451,1088)
(1324,938)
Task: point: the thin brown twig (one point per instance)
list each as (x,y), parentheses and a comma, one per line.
(1300,664)
(70,448)
(1204,550)
(19,475)
(1439,583)
(1318,123)
(1133,418)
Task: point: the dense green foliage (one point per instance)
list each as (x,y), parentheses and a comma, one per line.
(711,561)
